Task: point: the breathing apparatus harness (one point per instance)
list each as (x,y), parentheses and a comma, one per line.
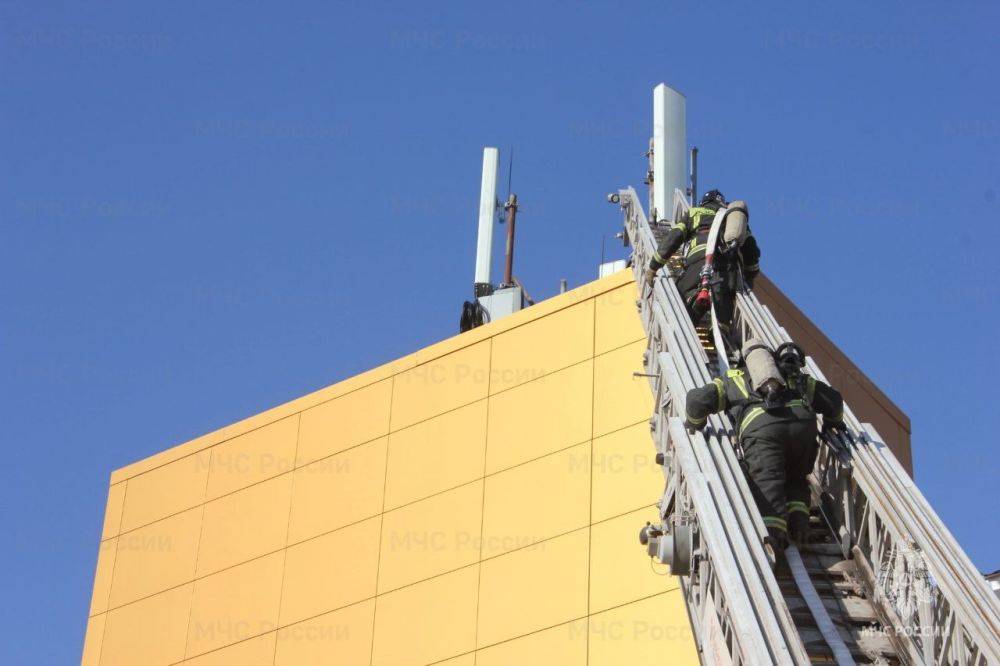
(727,243)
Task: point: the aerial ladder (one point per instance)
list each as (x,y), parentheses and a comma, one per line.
(883,581)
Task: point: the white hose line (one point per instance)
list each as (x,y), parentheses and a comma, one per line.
(816,607)
(720,345)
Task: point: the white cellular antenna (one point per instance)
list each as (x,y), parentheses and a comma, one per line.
(487,215)
(669,149)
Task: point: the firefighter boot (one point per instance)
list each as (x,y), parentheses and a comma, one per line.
(778,539)
(798,528)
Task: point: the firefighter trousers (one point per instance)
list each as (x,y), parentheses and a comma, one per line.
(723,294)
(778,459)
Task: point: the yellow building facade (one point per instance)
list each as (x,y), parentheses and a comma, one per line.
(474,503)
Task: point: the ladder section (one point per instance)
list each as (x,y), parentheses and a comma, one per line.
(833,579)
(691,359)
(936,606)
(715,541)
(894,583)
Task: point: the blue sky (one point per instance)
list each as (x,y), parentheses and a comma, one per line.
(211,208)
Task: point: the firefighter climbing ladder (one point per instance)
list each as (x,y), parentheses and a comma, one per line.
(886,575)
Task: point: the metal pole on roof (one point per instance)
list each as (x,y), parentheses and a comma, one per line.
(511,209)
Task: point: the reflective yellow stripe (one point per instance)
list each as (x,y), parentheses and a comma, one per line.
(774,521)
(695,214)
(695,249)
(721,392)
(751,415)
(798,506)
(658,259)
(695,421)
(810,388)
(681,226)
(757,411)
(737,377)
(752,267)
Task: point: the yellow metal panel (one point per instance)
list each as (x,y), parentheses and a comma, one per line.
(260,454)
(432,536)
(156,557)
(617,321)
(257,651)
(542,346)
(340,638)
(533,588)
(427,622)
(441,385)
(437,350)
(330,571)
(166,490)
(151,631)
(626,475)
(244,525)
(235,604)
(347,421)
(620,571)
(540,417)
(651,632)
(337,491)
(113,510)
(102,576)
(532,502)
(258,420)
(92,641)
(443,452)
(565,645)
(438,443)
(620,399)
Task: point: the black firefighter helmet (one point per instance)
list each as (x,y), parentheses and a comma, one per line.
(713,197)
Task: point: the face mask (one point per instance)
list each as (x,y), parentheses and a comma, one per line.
(788,366)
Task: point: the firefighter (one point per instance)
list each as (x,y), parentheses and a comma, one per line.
(773,406)
(694,227)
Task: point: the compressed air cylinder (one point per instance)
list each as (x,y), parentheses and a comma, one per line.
(737,224)
(763,371)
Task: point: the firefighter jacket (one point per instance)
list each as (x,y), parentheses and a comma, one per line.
(694,226)
(799,403)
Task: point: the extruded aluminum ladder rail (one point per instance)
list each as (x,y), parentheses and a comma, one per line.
(737,610)
(921,582)
(936,606)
